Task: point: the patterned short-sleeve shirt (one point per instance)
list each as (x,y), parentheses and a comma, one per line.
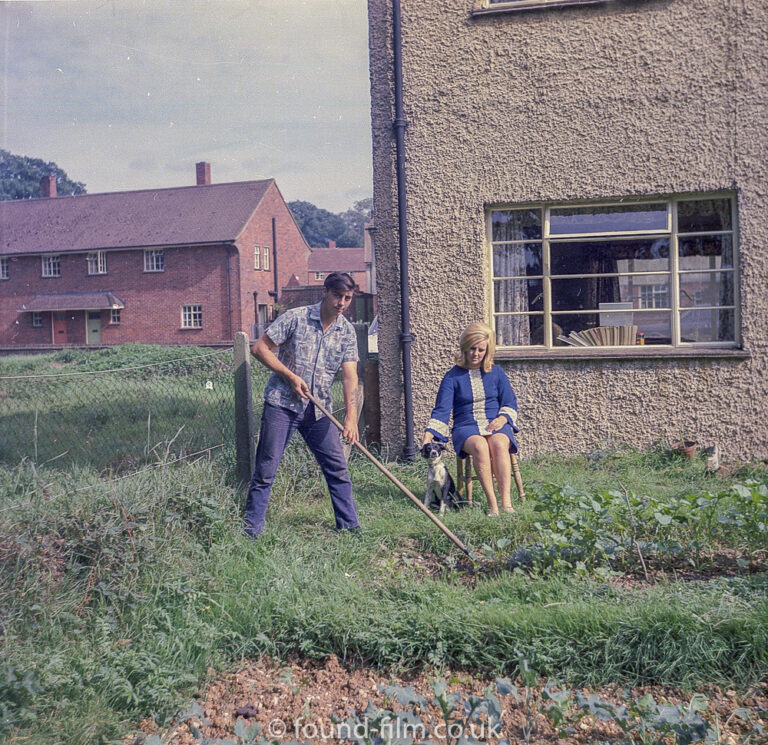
(314,356)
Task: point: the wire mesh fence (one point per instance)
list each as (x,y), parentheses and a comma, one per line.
(116,409)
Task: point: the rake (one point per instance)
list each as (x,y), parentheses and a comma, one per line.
(399,484)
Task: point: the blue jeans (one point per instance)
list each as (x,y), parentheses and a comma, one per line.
(322,438)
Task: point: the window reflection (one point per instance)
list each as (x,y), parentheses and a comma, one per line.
(699,215)
(603,257)
(607,218)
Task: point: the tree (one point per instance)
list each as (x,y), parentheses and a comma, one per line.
(320,226)
(355,220)
(20,177)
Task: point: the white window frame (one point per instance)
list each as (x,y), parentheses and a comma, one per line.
(192,316)
(265,263)
(319,275)
(154,260)
(673,275)
(96,262)
(256,256)
(37,319)
(114,316)
(51,265)
(4,268)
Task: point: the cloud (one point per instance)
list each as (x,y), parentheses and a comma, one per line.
(118,92)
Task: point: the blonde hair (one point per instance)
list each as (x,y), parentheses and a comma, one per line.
(477,333)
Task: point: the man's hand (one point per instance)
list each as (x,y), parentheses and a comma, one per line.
(299,386)
(428,437)
(350,432)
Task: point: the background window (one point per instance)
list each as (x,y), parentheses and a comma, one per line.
(191,316)
(114,316)
(154,261)
(565,270)
(37,318)
(97,262)
(3,268)
(51,265)
(257,257)
(319,275)
(265,263)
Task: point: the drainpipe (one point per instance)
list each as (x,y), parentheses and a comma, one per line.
(274,293)
(399,125)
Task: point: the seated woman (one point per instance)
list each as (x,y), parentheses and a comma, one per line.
(484,410)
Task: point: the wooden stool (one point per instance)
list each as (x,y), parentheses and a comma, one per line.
(464,477)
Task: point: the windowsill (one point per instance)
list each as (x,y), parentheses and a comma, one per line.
(154,271)
(619,353)
(190,328)
(482,8)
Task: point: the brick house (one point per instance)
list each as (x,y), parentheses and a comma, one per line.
(186,265)
(324,261)
(575,164)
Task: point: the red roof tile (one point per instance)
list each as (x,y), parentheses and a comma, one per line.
(211,213)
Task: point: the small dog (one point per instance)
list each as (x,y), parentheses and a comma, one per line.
(440,487)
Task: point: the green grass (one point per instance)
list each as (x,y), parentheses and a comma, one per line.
(115,408)
(116,596)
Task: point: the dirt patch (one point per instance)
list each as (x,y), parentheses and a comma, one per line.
(302,700)
(410,560)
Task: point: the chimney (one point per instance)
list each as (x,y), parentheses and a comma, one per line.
(203,170)
(331,244)
(48,186)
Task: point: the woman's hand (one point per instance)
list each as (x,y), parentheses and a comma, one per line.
(496,424)
(428,437)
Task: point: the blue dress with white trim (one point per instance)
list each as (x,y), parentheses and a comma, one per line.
(475,398)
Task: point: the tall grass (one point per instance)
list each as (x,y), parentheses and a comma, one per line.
(116,595)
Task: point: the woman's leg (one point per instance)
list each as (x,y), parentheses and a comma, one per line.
(501,467)
(477,447)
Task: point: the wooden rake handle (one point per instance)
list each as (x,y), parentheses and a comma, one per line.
(399,484)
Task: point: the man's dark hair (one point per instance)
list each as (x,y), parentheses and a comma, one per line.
(339,282)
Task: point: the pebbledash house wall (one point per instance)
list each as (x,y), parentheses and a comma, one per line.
(587,102)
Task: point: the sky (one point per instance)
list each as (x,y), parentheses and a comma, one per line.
(130,94)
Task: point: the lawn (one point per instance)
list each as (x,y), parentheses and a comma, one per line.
(119,598)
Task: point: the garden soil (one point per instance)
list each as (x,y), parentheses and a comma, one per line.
(300,700)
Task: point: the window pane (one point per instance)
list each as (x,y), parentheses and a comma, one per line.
(603,257)
(699,215)
(599,293)
(517,260)
(517,295)
(707,288)
(607,218)
(706,252)
(516,225)
(519,330)
(655,327)
(707,325)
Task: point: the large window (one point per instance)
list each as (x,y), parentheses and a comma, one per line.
(154,261)
(265,263)
(97,262)
(659,272)
(51,265)
(191,316)
(257,257)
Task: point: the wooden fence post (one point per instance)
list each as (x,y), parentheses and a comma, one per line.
(361,329)
(244,447)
